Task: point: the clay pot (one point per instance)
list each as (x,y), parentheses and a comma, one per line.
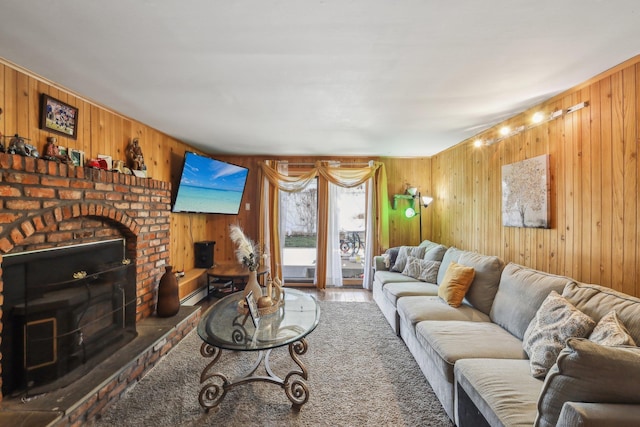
(168,297)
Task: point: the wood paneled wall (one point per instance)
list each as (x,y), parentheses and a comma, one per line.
(100,131)
(403,173)
(594,186)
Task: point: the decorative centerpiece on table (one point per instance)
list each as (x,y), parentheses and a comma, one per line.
(247,253)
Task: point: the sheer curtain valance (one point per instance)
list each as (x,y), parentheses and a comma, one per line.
(344,175)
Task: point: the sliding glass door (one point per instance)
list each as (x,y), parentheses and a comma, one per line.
(299,229)
(351,215)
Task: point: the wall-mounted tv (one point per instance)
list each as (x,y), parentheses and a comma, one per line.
(209,186)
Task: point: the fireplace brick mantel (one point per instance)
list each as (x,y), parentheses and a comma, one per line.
(45,204)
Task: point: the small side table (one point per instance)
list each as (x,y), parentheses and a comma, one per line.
(225,279)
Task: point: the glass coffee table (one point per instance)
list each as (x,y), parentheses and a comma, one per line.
(224,327)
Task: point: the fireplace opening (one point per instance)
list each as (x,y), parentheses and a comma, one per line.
(65,310)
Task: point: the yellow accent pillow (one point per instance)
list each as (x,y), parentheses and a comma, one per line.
(456,283)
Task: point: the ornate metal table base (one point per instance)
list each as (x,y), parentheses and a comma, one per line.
(294,383)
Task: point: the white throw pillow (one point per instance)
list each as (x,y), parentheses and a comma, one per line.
(610,331)
(555,321)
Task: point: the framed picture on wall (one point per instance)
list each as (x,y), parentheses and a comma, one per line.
(525,193)
(58,117)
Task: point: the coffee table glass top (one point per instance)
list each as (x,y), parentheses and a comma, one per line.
(224,326)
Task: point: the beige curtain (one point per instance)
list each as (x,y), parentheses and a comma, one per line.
(343,175)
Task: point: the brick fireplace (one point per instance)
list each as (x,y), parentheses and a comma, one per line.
(49,205)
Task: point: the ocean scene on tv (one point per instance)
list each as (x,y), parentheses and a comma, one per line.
(210,186)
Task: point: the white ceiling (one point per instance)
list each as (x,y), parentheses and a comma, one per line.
(319,77)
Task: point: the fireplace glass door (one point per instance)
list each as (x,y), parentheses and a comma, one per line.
(65,310)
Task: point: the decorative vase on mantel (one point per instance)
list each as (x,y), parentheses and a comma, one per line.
(168,296)
(253,286)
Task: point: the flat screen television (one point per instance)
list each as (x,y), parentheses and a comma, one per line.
(210,186)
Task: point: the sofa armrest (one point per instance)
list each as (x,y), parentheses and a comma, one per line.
(599,414)
(379,263)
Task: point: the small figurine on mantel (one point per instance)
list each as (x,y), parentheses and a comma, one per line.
(52,151)
(135,157)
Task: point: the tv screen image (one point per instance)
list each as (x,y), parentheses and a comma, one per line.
(210,186)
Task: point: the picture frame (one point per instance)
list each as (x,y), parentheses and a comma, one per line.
(253,309)
(58,117)
(77,157)
(526,193)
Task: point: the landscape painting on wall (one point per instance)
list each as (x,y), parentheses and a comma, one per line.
(525,193)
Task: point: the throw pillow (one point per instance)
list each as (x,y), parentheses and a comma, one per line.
(610,331)
(429,271)
(412,268)
(455,284)
(403,254)
(426,271)
(589,372)
(392,253)
(555,321)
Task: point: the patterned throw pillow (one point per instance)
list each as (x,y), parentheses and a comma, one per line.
(404,253)
(456,283)
(555,321)
(426,271)
(429,270)
(412,267)
(611,332)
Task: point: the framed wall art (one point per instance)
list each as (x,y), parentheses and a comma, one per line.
(525,193)
(58,117)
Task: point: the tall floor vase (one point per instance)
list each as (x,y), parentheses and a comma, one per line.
(168,296)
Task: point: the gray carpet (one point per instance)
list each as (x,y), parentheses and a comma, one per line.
(360,373)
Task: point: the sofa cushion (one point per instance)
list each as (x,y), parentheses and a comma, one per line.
(455,284)
(428,245)
(610,331)
(589,372)
(452,254)
(596,301)
(386,277)
(414,309)
(435,254)
(448,341)
(425,271)
(598,415)
(485,283)
(502,390)
(393,291)
(403,255)
(520,293)
(555,321)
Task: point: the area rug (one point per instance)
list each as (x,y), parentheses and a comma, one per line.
(360,373)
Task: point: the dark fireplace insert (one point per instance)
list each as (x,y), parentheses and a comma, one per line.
(65,310)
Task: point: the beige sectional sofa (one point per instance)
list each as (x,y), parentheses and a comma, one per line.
(474,358)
